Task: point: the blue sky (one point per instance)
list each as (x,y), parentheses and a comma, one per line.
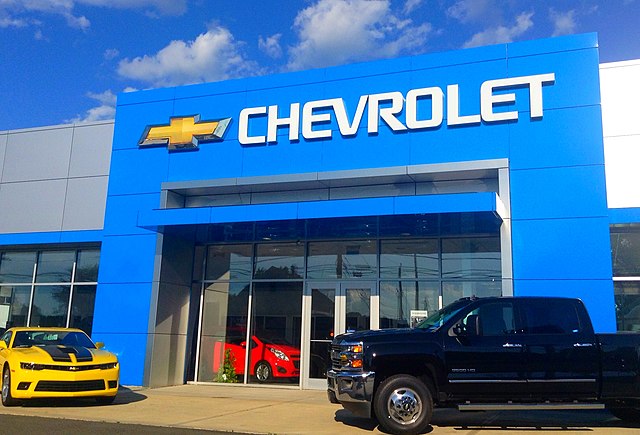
(65,61)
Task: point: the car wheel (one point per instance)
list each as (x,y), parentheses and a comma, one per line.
(7,400)
(263,371)
(105,400)
(403,405)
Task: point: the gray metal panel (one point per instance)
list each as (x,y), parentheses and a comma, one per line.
(91,150)
(217,200)
(32,206)
(85,203)
(3,148)
(406,189)
(38,154)
(290,196)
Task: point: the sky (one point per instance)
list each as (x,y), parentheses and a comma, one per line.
(65,61)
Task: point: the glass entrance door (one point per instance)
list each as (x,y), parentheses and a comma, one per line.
(333,308)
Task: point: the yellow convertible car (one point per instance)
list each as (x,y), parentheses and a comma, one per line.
(55,362)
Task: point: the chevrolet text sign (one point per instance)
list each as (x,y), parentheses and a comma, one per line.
(387,106)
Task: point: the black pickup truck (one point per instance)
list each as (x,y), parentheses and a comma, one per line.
(486,354)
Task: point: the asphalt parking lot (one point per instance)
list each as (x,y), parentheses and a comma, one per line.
(267,410)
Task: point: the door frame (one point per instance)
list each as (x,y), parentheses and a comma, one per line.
(339,321)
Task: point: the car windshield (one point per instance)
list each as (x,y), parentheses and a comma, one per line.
(44,338)
(439,318)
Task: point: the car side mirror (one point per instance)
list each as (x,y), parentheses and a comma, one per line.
(3,345)
(243,344)
(99,345)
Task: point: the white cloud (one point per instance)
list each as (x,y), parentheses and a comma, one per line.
(111,53)
(333,32)
(163,7)
(564,23)
(501,34)
(20,13)
(106,109)
(411,5)
(212,56)
(467,11)
(271,45)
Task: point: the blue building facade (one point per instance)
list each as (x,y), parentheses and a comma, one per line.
(293,207)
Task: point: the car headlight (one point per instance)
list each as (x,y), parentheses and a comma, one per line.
(279,354)
(108,366)
(31,366)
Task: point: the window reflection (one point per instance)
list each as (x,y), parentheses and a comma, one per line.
(17,266)
(50,304)
(224,323)
(399,298)
(276,329)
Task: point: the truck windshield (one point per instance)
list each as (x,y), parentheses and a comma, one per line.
(438,319)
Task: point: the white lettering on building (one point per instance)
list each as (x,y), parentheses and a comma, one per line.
(316,116)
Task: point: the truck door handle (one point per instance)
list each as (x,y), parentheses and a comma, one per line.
(583,345)
(511,345)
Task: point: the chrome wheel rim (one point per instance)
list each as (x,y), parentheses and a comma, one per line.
(5,385)
(262,372)
(404,406)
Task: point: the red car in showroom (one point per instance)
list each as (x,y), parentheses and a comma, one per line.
(268,358)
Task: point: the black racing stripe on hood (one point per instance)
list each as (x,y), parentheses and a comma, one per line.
(61,353)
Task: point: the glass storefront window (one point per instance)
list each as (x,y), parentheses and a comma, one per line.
(82,305)
(342,260)
(454,290)
(229,262)
(276,321)
(17,267)
(279,261)
(399,298)
(15,309)
(87,265)
(409,259)
(627,297)
(223,333)
(625,252)
(50,304)
(471,258)
(52,285)
(55,266)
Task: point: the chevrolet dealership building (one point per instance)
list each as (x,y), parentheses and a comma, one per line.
(290,208)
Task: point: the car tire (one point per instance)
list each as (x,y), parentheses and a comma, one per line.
(403,405)
(7,399)
(263,371)
(105,400)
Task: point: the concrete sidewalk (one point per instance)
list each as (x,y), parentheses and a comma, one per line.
(268,410)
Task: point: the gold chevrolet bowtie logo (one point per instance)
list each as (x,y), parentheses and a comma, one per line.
(184,132)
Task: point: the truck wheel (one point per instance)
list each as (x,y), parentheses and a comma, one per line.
(403,405)
(626,414)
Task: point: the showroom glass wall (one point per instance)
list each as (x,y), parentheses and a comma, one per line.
(48,287)
(252,290)
(625,256)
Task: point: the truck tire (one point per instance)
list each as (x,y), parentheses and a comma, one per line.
(631,415)
(403,405)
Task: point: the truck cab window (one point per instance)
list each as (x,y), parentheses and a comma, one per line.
(552,316)
(490,320)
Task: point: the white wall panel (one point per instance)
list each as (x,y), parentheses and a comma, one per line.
(620,89)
